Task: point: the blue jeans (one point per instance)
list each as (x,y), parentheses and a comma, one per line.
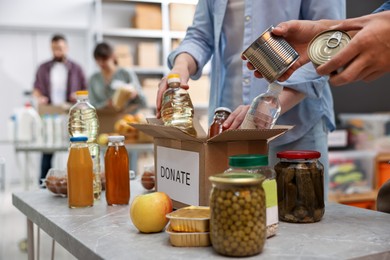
(45,165)
(316,139)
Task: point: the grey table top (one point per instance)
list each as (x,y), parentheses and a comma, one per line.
(107,232)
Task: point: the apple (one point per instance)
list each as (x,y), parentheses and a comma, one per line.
(148,211)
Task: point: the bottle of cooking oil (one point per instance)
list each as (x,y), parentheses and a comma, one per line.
(264,110)
(83,121)
(177,109)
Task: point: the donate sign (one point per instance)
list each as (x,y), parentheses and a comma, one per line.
(178,174)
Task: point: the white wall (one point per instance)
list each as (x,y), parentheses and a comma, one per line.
(26,27)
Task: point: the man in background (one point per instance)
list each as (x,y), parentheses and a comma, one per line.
(56,82)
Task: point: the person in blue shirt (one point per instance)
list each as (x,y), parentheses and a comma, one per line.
(221,30)
(366,57)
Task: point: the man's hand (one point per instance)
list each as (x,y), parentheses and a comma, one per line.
(367,56)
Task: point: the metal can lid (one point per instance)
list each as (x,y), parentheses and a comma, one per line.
(223,109)
(237,178)
(116,138)
(326,45)
(299,154)
(248,160)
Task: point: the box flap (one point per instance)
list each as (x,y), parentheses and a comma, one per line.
(250,134)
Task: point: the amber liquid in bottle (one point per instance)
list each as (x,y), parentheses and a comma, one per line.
(80,177)
(117,175)
(220,116)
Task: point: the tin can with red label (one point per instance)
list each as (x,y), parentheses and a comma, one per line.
(326,45)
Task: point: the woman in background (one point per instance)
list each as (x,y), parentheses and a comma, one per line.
(111,78)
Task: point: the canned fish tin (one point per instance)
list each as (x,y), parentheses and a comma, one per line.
(271,55)
(326,45)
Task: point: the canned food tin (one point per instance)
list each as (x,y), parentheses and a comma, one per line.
(326,45)
(271,55)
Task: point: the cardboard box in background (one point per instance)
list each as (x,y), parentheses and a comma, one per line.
(175,43)
(181,16)
(123,55)
(52,110)
(186,180)
(148,55)
(199,90)
(147,16)
(150,88)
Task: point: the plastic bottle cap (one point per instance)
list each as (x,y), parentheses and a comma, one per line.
(173,78)
(248,160)
(225,109)
(299,154)
(78,139)
(116,138)
(275,87)
(82,93)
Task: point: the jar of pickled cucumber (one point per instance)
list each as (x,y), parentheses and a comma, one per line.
(300,186)
(238,216)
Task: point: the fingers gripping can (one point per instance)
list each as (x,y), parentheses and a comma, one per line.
(271,55)
(326,45)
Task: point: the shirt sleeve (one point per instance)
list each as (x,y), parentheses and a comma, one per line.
(93,86)
(39,83)
(305,79)
(199,39)
(384,7)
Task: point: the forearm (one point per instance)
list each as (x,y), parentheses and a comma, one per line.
(186,61)
(289,98)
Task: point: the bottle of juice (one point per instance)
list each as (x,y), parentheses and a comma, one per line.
(264,110)
(80,174)
(116,163)
(83,121)
(220,115)
(177,109)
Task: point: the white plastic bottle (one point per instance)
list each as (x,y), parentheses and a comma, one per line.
(11,128)
(83,121)
(264,110)
(29,125)
(49,129)
(58,129)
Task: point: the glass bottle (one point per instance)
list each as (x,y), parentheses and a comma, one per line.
(83,121)
(116,163)
(238,217)
(258,163)
(177,109)
(264,110)
(220,115)
(300,180)
(80,174)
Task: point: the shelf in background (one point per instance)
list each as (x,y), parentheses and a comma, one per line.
(149,71)
(194,2)
(135,33)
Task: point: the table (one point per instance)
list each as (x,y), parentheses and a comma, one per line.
(133,150)
(106,232)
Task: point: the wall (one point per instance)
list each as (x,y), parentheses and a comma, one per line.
(362,97)
(26,28)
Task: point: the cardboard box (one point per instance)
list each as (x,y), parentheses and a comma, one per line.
(147,16)
(148,55)
(52,110)
(183,163)
(123,55)
(181,16)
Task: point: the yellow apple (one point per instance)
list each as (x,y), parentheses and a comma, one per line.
(148,211)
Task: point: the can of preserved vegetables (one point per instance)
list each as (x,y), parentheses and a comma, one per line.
(300,186)
(238,216)
(326,45)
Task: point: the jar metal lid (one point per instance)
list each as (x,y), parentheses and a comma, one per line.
(116,138)
(78,139)
(299,154)
(248,160)
(237,178)
(224,109)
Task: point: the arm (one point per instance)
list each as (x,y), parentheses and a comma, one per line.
(39,87)
(194,51)
(93,86)
(139,98)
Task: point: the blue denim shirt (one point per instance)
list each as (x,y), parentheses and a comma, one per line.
(384,7)
(205,40)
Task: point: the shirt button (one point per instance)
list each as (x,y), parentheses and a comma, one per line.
(246,81)
(247,18)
